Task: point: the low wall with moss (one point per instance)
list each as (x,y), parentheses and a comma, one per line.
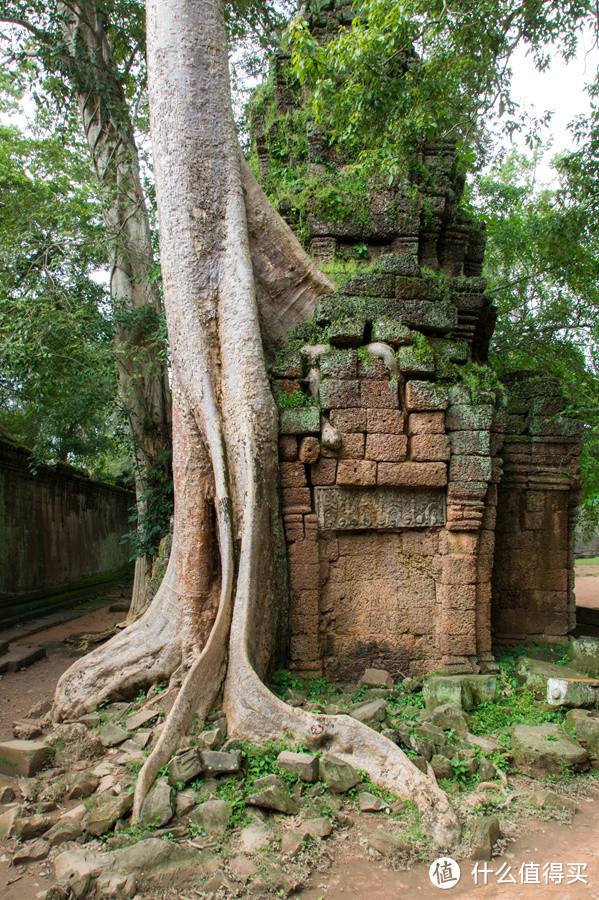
(57,526)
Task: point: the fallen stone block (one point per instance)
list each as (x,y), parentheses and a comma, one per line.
(7,821)
(213,816)
(62,832)
(112,735)
(384,842)
(184,767)
(572,692)
(543,799)
(304,765)
(369,803)
(274,797)
(585,651)
(27,827)
(585,725)
(215,762)
(539,750)
(32,852)
(338,775)
(106,811)
(23,757)
(254,837)
(376,678)
(485,833)
(535,673)
(157,808)
(460,691)
(132,723)
(369,713)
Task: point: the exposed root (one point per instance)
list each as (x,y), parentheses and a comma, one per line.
(254,713)
(147,651)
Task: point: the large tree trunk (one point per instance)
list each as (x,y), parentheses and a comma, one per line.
(144,389)
(229,265)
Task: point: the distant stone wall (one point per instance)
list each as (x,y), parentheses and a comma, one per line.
(56,525)
(585,549)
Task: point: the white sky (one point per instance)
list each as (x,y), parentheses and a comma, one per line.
(559,89)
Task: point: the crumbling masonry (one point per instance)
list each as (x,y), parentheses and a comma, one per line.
(428,510)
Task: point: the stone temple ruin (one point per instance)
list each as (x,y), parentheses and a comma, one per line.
(429,510)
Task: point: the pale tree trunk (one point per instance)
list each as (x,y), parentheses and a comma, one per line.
(144,388)
(230,266)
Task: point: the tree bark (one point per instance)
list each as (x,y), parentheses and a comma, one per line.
(143,378)
(230,268)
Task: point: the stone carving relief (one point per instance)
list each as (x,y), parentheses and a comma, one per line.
(346,509)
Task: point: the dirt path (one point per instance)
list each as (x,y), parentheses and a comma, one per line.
(542,843)
(19,691)
(587,585)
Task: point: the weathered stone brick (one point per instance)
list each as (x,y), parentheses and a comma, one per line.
(386,447)
(372,367)
(457,596)
(385,421)
(380,394)
(420,543)
(294,527)
(324,472)
(426,423)
(293,474)
(339,364)
(303,576)
(470,443)
(296,499)
(458,644)
(339,394)
(459,569)
(287,447)
(347,333)
(470,468)
(352,446)
(309,450)
(424,396)
(412,361)
(349,420)
(300,421)
(391,332)
(356,472)
(430,448)
(412,474)
(469,418)
(311,526)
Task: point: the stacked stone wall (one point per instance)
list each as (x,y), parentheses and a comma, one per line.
(56,525)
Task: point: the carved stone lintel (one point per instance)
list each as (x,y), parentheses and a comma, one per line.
(346,509)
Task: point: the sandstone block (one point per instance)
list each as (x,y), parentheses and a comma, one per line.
(309,450)
(459,569)
(213,816)
(379,394)
(372,367)
(376,678)
(412,474)
(335,394)
(469,418)
(293,474)
(426,423)
(287,447)
(294,526)
(412,361)
(324,472)
(296,499)
(275,797)
(338,775)
(349,420)
(386,447)
(339,364)
(430,448)
(299,421)
(385,421)
(485,833)
(470,443)
(347,333)
(184,767)
(157,808)
(352,446)
(375,711)
(539,750)
(470,468)
(105,811)
(215,762)
(305,765)
(424,396)
(390,332)
(369,803)
(356,472)
(23,757)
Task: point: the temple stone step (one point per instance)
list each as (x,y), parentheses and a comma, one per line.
(19,657)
